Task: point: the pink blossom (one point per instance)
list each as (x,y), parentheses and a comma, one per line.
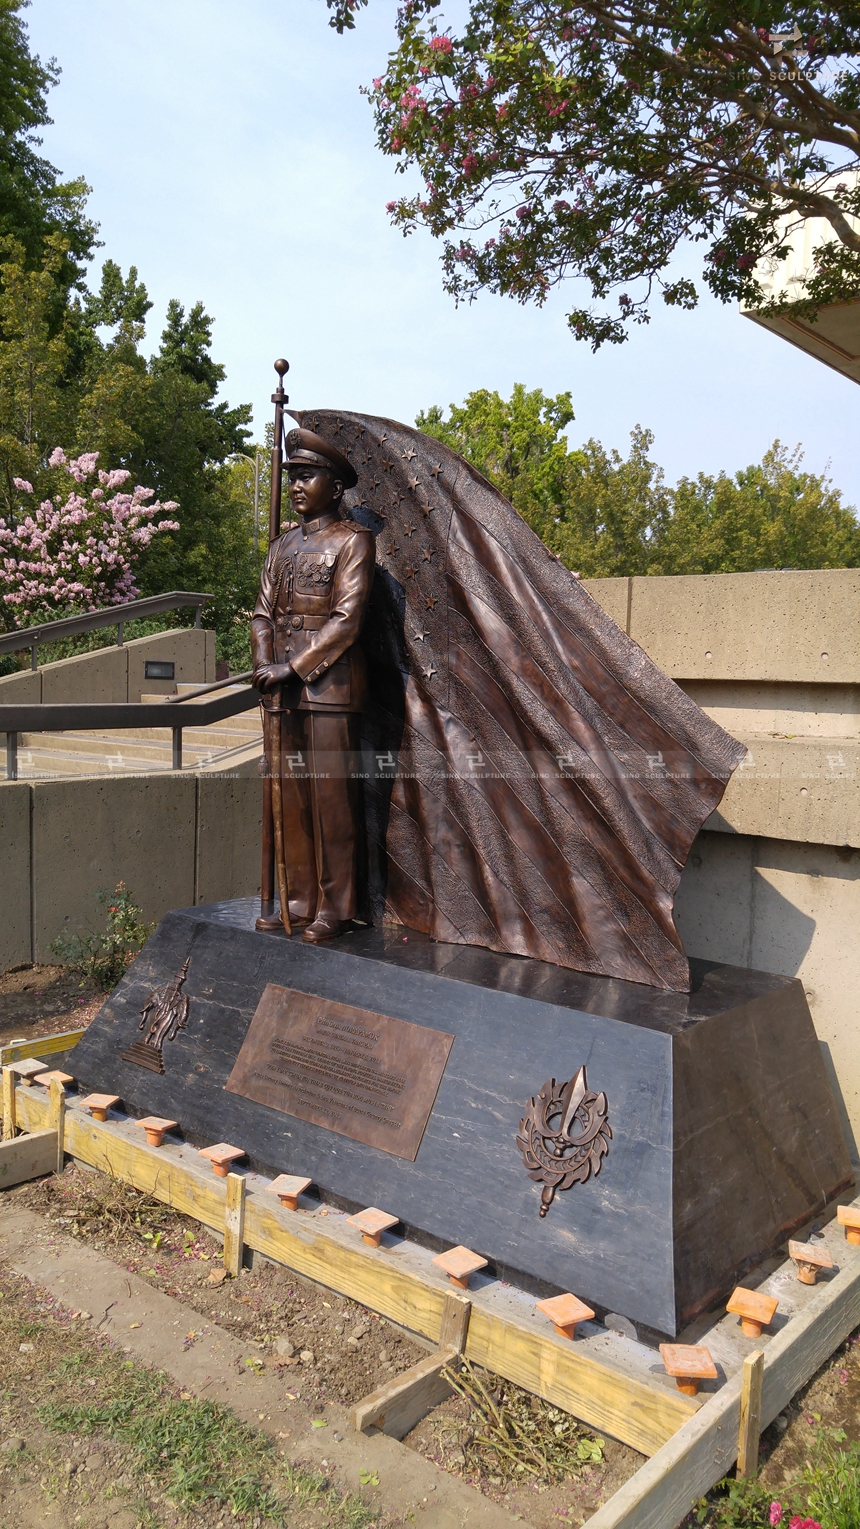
(80,552)
(57,457)
(23,485)
(441,45)
(775,1515)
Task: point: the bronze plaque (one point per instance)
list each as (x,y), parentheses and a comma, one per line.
(367,1076)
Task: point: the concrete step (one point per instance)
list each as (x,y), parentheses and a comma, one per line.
(244,721)
(231,744)
(69,745)
(124,758)
(205,738)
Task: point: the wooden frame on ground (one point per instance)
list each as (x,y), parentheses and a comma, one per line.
(602,1379)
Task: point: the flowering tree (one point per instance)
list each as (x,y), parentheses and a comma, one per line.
(591,137)
(79,551)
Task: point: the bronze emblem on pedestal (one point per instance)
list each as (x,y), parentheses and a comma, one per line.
(564,1136)
(163,1015)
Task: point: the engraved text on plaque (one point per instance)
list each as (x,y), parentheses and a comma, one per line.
(367,1076)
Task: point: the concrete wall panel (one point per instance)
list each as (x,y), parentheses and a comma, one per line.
(21,689)
(800,789)
(99,676)
(187,648)
(780,710)
(114,673)
(15,937)
(795,626)
(792,909)
(613,595)
(230,820)
(89,834)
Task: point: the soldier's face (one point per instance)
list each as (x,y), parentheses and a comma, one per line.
(313,490)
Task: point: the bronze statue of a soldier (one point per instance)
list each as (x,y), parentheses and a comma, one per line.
(311,671)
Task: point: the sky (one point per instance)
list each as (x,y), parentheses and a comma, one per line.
(232,160)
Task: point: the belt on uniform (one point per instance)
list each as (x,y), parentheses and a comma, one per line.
(303,623)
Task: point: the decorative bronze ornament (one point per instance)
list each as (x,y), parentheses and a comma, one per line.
(553,1151)
(163,1015)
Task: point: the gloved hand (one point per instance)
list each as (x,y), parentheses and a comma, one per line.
(272,675)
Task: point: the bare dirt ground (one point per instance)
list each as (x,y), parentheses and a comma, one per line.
(44,1000)
(830,1400)
(329,1351)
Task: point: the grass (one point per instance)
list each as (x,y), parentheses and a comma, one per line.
(196,1454)
(200,1452)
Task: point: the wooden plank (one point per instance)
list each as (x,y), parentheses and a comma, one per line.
(10,1118)
(749,1429)
(153,1170)
(551,1367)
(27,1157)
(400,1284)
(454,1329)
(234,1224)
(395,1408)
(663,1491)
(57,1118)
(44,1045)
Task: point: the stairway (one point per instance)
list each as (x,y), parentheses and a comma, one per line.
(232,746)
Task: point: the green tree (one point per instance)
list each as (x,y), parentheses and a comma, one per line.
(597,512)
(37,407)
(773,515)
(616,510)
(607,516)
(72,386)
(517,443)
(37,209)
(188,439)
(591,137)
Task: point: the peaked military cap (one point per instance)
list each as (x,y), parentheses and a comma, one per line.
(306,449)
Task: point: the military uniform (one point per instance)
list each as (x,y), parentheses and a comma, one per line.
(313,596)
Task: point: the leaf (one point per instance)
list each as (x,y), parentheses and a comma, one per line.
(368,1478)
(319,1423)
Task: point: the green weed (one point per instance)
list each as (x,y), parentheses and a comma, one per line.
(102,956)
(832,1482)
(826,1493)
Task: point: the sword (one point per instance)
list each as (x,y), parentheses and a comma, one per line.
(276,713)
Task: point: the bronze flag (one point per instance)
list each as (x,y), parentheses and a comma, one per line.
(532,781)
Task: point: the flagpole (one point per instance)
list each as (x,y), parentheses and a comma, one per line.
(272,839)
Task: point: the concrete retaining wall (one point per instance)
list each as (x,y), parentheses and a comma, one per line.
(173,839)
(116,674)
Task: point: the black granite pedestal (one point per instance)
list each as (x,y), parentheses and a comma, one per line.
(725,1135)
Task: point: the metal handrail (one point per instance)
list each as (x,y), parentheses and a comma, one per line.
(232,679)
(90,621)
(70,716)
